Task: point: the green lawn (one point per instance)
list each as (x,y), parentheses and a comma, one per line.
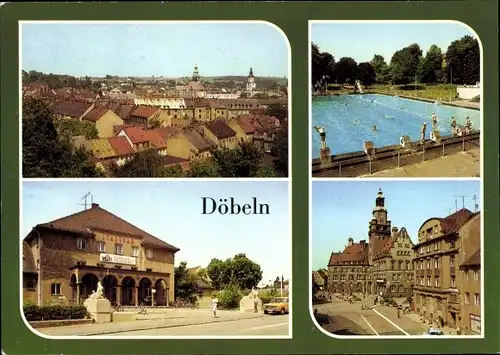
(433,92)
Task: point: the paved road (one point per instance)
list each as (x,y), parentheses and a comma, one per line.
(340,317)
(264,326)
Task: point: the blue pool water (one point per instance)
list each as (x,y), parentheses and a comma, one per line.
(349,120)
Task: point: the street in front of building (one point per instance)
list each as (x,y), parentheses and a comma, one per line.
(183,322)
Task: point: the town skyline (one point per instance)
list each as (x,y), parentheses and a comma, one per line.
(176,217)
(352,202)
(160,49)
(362,40)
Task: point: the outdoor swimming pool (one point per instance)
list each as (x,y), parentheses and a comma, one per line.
(349,120)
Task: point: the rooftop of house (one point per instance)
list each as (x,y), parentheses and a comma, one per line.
(98,219)
(121,146)
(197,140)
(144,111)
(95,114)
(70,109)
(473,260)
(220,129)
(354,252)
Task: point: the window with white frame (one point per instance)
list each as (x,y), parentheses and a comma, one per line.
(477,300)
(135,252)
(476,275)
(149,253)
(55,289)
(81,244)
(475,323)
(119,249)
(467,298)
(100,247)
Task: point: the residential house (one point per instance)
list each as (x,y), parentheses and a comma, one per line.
(437,258)
(204,285)
(75,252)
(142,139)
(241,107)
(30,275)
(243,127)
(221,134)
(188,143)
(142,116)
(104,120)
(266,128)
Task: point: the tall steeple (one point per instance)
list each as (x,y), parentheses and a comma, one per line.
(250,74)
(251,80)
(196,74)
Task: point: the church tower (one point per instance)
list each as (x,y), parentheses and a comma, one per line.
(196,74)
(379,226)
(250,81)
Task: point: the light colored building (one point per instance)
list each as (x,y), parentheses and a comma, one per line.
(188,143)
(73,253)
(221,134)
(104,120)
(437,257)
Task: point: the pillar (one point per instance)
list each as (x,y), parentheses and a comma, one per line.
(78,292)
(118,294)
(153,293)
(136,296)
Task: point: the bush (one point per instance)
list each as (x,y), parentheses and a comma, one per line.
(267,294)
(33,312)
(229,297)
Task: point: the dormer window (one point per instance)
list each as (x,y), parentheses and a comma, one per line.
(149,253)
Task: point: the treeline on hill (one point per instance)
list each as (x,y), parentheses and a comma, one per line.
(57,81)
(460,64)
(229,279)
(48,151)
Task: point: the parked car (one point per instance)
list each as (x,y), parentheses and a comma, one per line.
(277,305)
(433,331)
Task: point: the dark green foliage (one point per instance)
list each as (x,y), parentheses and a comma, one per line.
(238,271)
(186,288)
(46,153)
(33,312)
(147,163)
(463,61)
(229,297)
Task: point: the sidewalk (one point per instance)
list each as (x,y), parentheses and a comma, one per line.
(173,318)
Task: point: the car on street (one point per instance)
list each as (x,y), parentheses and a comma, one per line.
(433,331)
(277,305)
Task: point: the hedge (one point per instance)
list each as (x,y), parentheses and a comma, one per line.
(33,312)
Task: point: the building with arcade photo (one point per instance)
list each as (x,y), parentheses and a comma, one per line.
(67,257)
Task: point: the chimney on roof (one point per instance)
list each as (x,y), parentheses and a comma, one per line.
(350,241)
(95,205)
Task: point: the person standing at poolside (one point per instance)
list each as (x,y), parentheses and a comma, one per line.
(215,302)
(322,135)
(434,121)
(453,125)
(468,125)
(422,132)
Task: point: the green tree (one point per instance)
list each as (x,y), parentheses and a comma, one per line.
(430,68)
(322,67)
(203,168)
(366,73)
(463,60)
(243,161)
(185,284)
(173,171)
(277,110)
(405,63)
(155,122)
(382,70)
(46,153)
(280,151)
(346,70)
(147,163)
(265,171)
(238,271)
(73,128)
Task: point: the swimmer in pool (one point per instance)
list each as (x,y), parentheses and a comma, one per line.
(374,128)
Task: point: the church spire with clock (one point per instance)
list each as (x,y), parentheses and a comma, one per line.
(251,80)
(196,73)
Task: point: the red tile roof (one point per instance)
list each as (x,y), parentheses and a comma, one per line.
(144,111)
(356,253)
(164,132)
(197,140)
(138,135)
(95,114)
(453,222)
(121,146)
(99,219)
(245,121)
(220,129)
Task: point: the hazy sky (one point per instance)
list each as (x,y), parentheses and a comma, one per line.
(341,209)
(362,41)
(163,49)
(171,211)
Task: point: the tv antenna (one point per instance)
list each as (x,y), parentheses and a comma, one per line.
(456,202)
(476,205)
(85,199)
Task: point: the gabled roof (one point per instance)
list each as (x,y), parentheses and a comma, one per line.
(95,114)
(70,109)
(197,140)
(121,146)
(245,122)
(453,222)
(99,219)
(356,253)
(220,129)
(144,111)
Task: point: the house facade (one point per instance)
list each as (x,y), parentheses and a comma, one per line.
(73,253)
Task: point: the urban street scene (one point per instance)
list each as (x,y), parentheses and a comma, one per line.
(416,270)
(140,258)
(395,99)
(164,99)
